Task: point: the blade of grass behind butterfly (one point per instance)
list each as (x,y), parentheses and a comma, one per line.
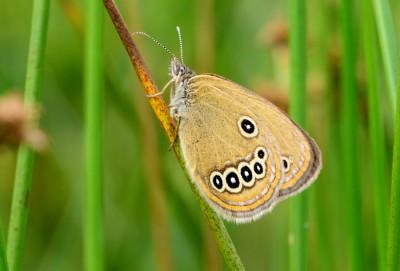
(298,235)
(224,242)
(376,133)
(324,194)
(93,91)
(350,138)
(387,39)
(393,252)
(25,158)
(3,258)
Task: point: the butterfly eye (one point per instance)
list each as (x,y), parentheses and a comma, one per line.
(247,127)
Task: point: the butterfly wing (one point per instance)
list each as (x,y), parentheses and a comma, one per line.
(243,153)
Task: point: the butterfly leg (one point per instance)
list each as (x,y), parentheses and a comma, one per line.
(161,92)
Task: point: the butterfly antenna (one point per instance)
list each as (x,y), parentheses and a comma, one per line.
(156,41)
(180,42)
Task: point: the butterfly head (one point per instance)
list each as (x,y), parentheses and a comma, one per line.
(179,71)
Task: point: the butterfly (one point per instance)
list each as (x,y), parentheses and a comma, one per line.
(242,152)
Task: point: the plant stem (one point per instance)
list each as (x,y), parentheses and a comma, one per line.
(299,205)
(3,258)
(388,46)
(350,138)
(376,133)
(24,167)
(393,253)
(93,227)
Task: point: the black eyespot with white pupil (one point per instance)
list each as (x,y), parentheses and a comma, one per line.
(246,174)
(261,154)
(247,127)
(217,182)
(258,169)
(232,180)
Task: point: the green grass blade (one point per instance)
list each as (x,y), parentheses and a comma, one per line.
(298,245)
(387,40)
(326,231)
(393,253)
(376,133)
(93,88)
(3,258)
(350,137)
(24,167)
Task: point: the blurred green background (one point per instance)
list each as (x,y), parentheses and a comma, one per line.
(152,219)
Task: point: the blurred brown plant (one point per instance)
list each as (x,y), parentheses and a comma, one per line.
(273,93)
(275,34)
(18,123)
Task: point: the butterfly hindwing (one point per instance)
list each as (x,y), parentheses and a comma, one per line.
(243,152)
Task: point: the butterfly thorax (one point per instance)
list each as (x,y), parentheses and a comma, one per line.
(180,94)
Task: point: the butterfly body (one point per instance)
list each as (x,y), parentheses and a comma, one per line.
(243,153)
